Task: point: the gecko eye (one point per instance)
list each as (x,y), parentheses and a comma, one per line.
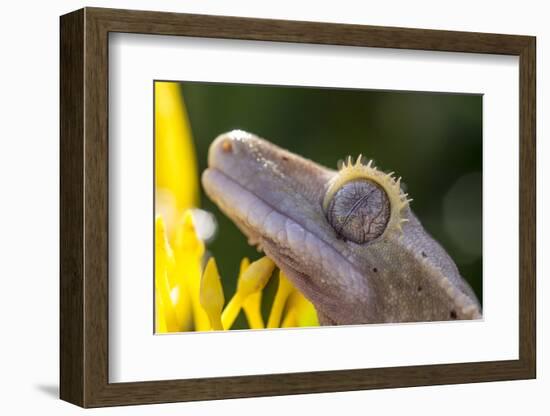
(362,203)
(359,211)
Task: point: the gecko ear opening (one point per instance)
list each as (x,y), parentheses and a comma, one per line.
(363,204)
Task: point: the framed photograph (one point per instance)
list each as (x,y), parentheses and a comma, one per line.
(255,207)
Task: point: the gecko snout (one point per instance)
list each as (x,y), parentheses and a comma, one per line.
(228,147)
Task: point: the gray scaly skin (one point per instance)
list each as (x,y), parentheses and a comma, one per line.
(276,199)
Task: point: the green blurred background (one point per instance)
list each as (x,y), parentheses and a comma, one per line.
(432,140)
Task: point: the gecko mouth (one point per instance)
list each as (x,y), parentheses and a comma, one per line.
(262,224)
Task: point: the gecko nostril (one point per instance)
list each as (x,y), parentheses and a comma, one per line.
(375,270)
(424,254)
(419,288)
(227,147)
(453,314)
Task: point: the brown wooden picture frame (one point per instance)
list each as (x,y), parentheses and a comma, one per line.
(84,214)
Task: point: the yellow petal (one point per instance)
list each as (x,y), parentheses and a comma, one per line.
(251,281)
(253,305)
(186,241)
(245,263)
(182,305)
(163,250)
(189,250)
(255,277)
(211,294)
(283,291)
(176,166)
(253,310)
(164,304)
(290,320)
(160,318)
(300,311)
(231,311)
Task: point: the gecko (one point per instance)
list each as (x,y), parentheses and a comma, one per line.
(347,238)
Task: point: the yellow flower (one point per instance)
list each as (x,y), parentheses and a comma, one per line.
(176,186)
(186,297)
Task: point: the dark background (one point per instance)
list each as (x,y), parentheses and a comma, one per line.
(432,140)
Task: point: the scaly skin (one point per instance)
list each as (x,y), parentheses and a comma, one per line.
(276,198)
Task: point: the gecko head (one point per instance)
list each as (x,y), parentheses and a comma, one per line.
(333,233)
(279,201)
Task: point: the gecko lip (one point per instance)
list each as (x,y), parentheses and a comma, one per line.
(259,221)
